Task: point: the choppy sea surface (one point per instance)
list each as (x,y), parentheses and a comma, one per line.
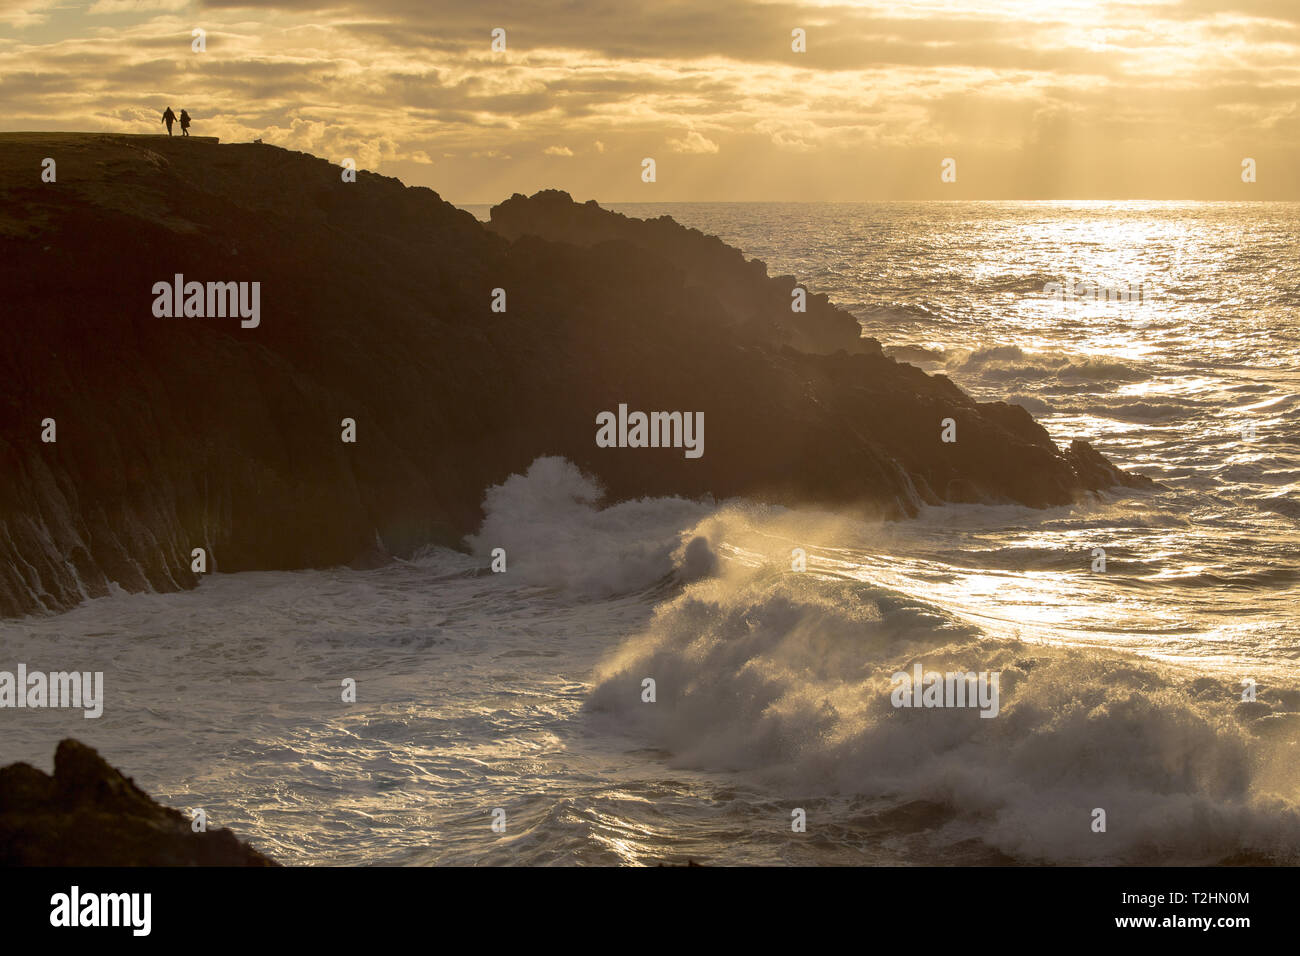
(522,692)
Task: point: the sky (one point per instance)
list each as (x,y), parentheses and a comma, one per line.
(1031,99)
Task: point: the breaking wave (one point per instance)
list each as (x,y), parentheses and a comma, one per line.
(783,677)
(787,677)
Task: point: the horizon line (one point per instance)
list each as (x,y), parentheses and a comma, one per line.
(459,203)
(843,202)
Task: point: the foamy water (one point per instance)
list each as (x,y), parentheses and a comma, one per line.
(1167,386)
(522,691)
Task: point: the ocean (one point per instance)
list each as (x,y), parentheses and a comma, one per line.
(1162,687)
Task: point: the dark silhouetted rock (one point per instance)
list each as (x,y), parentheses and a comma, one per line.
(88,814)
(1096,472)
(183,433)
(737,291)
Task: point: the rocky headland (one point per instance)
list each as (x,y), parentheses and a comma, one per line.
(176,433)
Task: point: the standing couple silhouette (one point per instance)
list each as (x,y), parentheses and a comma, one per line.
(169,117)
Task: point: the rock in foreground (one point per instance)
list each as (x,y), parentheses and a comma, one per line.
(88,814)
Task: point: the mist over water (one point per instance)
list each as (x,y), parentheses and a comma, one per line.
(522,690)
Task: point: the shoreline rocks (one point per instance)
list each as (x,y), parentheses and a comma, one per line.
(89,814)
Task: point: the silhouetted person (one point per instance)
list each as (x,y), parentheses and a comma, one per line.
(169,117)
(185,123)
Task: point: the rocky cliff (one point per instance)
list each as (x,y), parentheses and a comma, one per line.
(376,305)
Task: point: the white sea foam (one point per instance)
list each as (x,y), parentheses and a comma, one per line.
(787,677)
(523,690)
(556,535)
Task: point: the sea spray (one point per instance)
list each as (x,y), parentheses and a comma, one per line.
(786,677)
(552,522)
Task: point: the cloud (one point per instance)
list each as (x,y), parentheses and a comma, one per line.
(1150,81)
(106,7)
(692,142)
(25,13)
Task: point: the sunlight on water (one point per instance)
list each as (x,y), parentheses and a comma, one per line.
(1120,686)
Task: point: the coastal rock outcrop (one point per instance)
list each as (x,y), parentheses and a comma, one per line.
(738,291)
(88,814)
(177,433)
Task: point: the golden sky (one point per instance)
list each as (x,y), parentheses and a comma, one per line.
(1034,99)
